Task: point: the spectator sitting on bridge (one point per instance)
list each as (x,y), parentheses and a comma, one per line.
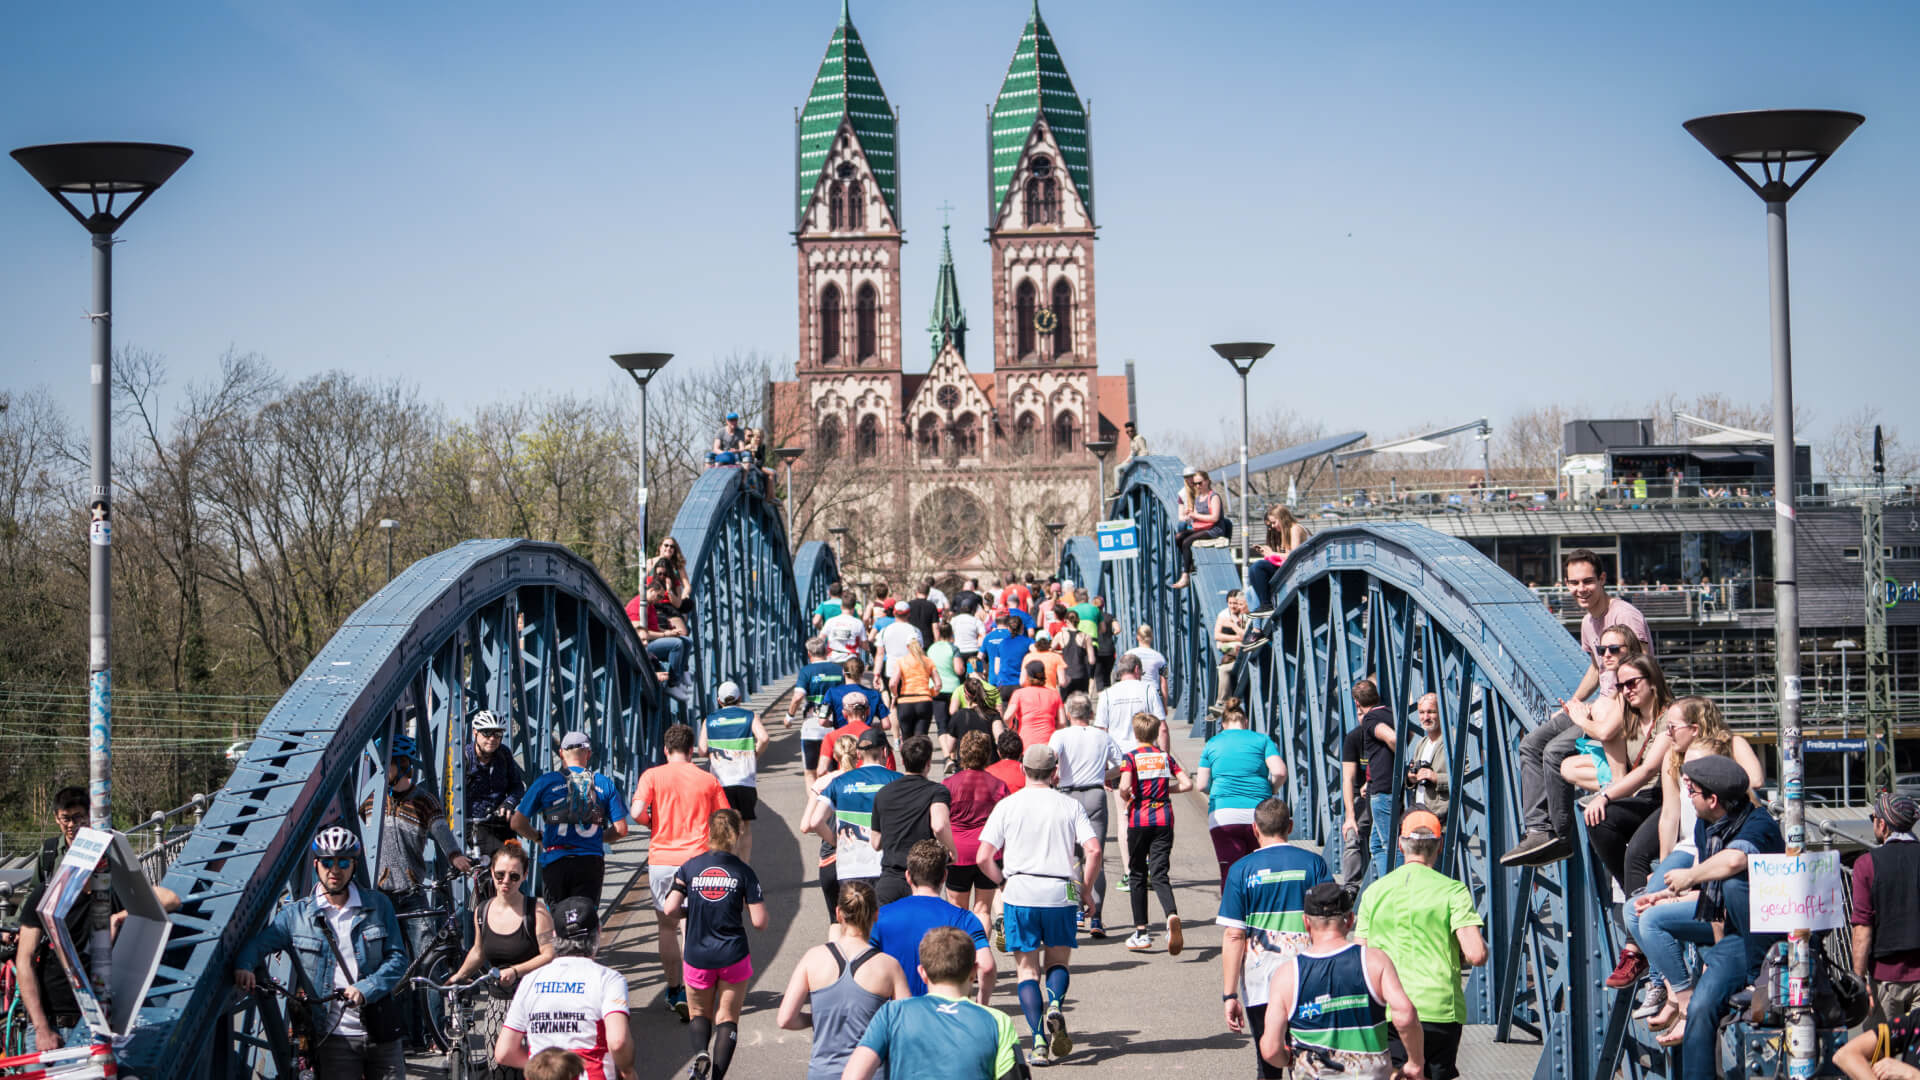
(1549,821)
(669,565)
(1629,795)
(1205,519)
(1283,535)
(729,443)
(1886,908)
(1696,729)
(1229,635)
(1136,442)
(663,629)
(1730,828)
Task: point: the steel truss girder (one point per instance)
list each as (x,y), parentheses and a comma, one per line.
(524,628)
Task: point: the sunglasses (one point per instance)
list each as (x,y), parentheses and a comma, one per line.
(508,877)
(1611,650)
(1630,685)
(336,864)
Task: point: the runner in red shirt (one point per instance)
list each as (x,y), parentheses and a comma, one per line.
(1149,777)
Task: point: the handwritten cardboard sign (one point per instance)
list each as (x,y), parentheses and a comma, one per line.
(1788,892)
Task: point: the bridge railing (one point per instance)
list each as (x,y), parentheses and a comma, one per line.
(1418,612)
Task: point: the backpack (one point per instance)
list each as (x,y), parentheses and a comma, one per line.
(1839,997)
(582,805)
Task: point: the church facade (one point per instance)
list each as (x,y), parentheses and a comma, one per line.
(956,469)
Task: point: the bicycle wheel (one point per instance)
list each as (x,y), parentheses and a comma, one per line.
(438,966)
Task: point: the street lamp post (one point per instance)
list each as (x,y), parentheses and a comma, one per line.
(1770,140)
(387,525)
(1243,355)
(1054,529)
(1102,448)
(641,367)
(788,455)
(840,552)
(101,172)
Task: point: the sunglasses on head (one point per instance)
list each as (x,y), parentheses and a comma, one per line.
(336,864)
(1630,685)
(1610,650)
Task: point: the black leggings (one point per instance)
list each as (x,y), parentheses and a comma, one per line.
(1615,833)
(915,717)
(1186,540)
(1149,855)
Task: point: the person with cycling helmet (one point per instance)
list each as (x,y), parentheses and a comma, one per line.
(353,1040)
(494,784)
(575,1003)
(580,812)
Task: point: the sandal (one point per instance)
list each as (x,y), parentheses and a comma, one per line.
(1675,1033)
(1668,1016)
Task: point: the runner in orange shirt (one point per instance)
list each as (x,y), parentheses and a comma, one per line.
(1034,710)
(674,801)
(1044,653)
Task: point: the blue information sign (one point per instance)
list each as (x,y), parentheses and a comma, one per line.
(1118,540)
(1835,746)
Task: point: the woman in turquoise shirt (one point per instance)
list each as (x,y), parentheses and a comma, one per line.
(1239,769)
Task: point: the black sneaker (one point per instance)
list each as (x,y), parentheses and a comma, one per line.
(1521,854)
(1556,850)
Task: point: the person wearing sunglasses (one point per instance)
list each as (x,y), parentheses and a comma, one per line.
(512,932)
(353,1041)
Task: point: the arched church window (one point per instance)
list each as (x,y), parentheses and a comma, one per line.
(926,437)
(828,439)
(1026,302)
(846,205)
(1066,434)
(866,308)
(966,435)
(830,324)
(1063,316)
(1025,433)
(866,440)
(1043,193)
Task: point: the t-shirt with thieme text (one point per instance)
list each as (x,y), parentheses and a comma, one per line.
(564,1006)
(718,887)
(851,795)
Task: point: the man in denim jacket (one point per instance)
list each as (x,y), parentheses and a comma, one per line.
(364,924)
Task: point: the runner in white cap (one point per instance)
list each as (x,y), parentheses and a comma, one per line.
(731,740)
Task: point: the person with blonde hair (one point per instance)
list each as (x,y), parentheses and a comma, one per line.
(1203,516)
(914,683)
(1284,533)
(843,755)
(716,889)
(837,987)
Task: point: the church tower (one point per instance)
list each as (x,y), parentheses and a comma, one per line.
(1041,231)
(847,230)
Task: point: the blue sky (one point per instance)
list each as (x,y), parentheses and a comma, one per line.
(1435,210)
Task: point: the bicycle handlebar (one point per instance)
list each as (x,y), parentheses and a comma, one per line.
(421,982)
(273,986)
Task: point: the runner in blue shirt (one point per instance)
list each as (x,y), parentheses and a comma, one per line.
(903,924)
(1262,910)
(809,701)
(1005,656)
(943,1035)
(852,672)
(579,811)
(844,812)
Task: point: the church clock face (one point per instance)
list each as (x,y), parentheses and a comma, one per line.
(1044,320)
(948,397)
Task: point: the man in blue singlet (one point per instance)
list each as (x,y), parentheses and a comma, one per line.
(1262,910)
(810,701)
(1323,1016)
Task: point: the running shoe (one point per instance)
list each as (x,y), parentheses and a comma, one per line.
(702,1066)
(1653,1000)
(677,1001)
(1095,929)
(1038,1055)
(1628,969)
(1059,1043)
(1140,941)
(1000,931)
(1124,884)
(1175,942)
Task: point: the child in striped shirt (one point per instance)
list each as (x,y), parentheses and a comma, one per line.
(1149,778)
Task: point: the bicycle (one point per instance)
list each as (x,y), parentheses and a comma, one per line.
(469,1047)
(16,1027)
(299,1021)
(441,954)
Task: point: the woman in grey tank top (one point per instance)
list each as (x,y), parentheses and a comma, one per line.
(845,981)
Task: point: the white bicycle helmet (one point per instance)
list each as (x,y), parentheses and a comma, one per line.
(484,720)
(335,841)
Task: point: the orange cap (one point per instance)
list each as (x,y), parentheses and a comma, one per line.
(1418,822)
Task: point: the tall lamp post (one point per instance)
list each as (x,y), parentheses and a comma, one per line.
(788,455)
(840,552)
(101,172)
(641,367)
(1102,449)
(1768,141)
(1054,529)
(387,525)
(1243,355)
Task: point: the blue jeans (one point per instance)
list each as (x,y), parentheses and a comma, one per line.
(1259,582)
(1382,808)
(1666,956)
(1725,968)
(672,652)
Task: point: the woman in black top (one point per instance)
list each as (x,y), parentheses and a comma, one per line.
(512,932)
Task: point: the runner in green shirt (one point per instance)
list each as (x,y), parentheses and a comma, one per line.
(1426,923)
(1086,612)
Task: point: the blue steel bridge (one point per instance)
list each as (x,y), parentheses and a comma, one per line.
(528,629)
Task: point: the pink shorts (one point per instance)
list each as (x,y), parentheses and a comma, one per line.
(708,978)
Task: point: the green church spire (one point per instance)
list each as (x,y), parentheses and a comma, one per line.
(949,318)
(1038,87)
(846,89)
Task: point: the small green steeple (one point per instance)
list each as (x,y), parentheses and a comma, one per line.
(1037,86)
(949,318)
(846,88)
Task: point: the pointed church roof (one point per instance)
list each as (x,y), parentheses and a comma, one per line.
(1037,86)
(949,318)
(846,89)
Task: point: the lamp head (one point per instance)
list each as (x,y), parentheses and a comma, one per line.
(102,171)
(642,366)
(1102,447)
(388,523)
(1243,354)
(789,453)
(1055,527)
(1772,139)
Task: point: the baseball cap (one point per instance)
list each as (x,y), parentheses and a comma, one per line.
(1040,758)
(733,416)
(575,918)
(872,739)
(1421,823)
(899,607)
(1188,471)
(575,740)
(728,691)
(1327,899)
